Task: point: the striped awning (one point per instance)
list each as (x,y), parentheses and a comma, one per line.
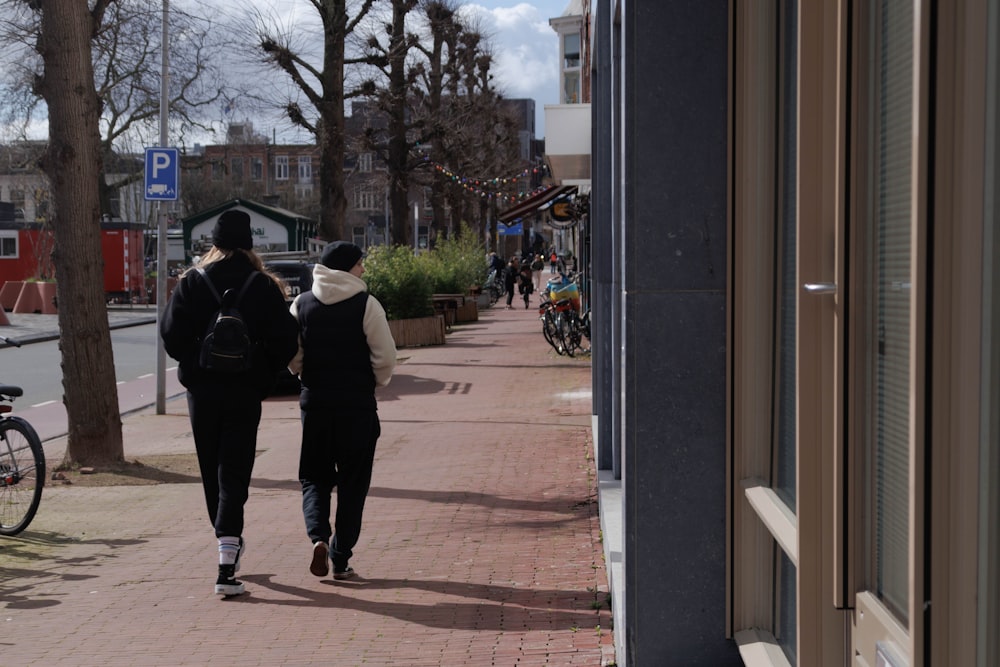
(532,204)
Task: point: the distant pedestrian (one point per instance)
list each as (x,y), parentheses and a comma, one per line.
(553,259)
(346,350)
(537,265)
(510,278)
(224,407)
(525,284)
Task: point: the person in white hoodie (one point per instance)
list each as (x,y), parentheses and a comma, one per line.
(345,350)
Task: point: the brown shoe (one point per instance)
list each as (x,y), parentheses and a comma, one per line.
(346,573)
(320,564)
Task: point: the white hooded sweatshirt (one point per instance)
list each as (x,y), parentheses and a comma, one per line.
(333,286)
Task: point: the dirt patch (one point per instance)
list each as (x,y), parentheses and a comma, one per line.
(144,470)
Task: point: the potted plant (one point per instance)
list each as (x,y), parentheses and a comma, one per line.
(396,278)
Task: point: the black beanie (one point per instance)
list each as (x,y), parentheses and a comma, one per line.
(341,255)
(232,231)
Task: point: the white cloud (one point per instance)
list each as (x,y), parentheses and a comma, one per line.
(525,49)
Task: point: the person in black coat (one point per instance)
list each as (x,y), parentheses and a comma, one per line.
(525,283)
(510,278)
(225,408)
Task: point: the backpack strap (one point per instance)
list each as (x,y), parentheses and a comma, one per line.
(215,292)
(211,285)
(246,286)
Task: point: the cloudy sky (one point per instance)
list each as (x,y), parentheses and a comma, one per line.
(525,49)
(525,46)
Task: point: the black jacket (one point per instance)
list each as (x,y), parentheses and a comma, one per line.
(272,328)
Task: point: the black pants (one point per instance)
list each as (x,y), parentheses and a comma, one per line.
(224,425)
(338,449)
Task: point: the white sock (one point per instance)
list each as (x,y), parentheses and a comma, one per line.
(229,547)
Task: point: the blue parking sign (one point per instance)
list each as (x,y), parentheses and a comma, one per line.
(162,169)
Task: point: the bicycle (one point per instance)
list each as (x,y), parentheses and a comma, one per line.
(496,286)
(550,328)
(572,327)
(22,464)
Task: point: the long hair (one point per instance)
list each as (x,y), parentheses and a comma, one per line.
(216,254)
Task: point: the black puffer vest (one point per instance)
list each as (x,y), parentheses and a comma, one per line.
(336,362)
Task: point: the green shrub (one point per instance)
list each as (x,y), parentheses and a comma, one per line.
(456,263)
(399,281)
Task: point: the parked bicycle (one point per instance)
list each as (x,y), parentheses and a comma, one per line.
(22,463)
(550,325)
(495,286)
(563,326)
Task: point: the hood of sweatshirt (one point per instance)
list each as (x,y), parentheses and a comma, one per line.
(333,286)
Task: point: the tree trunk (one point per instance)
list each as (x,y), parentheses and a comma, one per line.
(332,199)
(399,147)
(72,163)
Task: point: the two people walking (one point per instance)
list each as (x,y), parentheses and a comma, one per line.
(335,338)
(520,274)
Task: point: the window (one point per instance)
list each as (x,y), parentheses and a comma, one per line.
(571,51)
(305,169)
(17,198)
(365,162)
(786,285)
(887,327)
(366,198)
(236,168)
(8,244)
(256,169)
(281,167)
(218,171)
(358,236)
(571,87)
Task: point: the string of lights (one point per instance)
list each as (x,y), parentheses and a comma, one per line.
(491,187)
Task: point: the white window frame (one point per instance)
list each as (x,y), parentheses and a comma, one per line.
(10,234)
(366,198)
(305,169)
(281,167)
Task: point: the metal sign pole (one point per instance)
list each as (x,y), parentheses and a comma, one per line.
(161,233)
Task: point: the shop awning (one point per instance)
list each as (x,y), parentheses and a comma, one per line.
(532,204)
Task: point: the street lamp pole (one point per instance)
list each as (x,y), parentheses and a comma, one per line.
(161,229)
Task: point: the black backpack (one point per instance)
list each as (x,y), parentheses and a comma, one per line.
(226,346)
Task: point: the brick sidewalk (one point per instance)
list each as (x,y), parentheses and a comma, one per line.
(481,543)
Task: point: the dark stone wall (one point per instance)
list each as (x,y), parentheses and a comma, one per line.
(660,182)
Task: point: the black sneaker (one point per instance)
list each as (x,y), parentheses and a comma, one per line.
(320,564)
(227,584)
(341,574)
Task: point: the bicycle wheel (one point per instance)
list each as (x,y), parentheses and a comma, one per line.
(551,332)
(573,333)
(565,334)
(22,474)
(581,330)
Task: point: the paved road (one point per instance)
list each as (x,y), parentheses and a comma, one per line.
(49,418)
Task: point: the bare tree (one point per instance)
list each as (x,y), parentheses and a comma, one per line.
(322,86)
(435,92)
(127,61)
(72,164)
(125,53)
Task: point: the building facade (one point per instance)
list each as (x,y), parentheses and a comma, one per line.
(797,329)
